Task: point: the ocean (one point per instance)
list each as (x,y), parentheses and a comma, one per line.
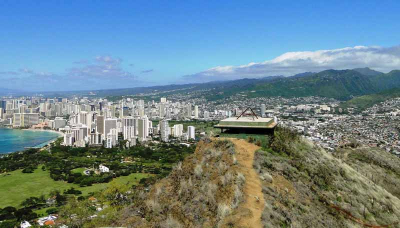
(12,140)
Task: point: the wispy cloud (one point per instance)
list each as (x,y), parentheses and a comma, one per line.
(101,72)
(9,73)
(105,67)
(147,71)
(290,63)
(26,71)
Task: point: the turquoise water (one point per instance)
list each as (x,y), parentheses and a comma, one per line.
(12,140)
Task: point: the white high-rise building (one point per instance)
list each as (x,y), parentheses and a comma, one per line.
(178,130)
(196,112)
(78,134)
(82,118)
(59,122)
(112,138)
(164,129)
(162,110)
(163,100)
(262,110)
(191,132)
(143,128)
(108,125)
(189,111)
(68,139)
(128,127)
(25,119)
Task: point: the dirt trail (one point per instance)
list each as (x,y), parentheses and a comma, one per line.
(251,209)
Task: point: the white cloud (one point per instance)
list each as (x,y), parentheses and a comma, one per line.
(105,67)
(101,72)
(290,63)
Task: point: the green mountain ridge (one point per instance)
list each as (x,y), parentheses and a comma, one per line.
(366,101)
(339,84)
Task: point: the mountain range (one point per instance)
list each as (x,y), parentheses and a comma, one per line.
(339,84)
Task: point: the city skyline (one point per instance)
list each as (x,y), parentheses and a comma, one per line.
(100,45)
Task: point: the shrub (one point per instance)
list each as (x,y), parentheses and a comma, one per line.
(283,141)
(240,179)
(28,170)
(52,211)
(234,160)
(223,211)
(222,167)
(198,171)
(154,206)
(172,223)
(238,196)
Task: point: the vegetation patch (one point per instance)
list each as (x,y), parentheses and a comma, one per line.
(305,186)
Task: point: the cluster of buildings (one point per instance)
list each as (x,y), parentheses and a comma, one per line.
(322,120)
(86,121)
(96,121)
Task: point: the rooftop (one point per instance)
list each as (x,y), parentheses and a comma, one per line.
(247,122)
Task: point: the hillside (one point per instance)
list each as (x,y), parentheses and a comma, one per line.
(289,182)
(366,101)
(367,71)
(338,84)
(304,186)
(330,83)
(214,187)
(387,81)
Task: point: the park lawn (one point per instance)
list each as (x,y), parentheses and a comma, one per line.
(78,170)
(16,186)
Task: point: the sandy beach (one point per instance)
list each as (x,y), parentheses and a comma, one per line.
(42,145)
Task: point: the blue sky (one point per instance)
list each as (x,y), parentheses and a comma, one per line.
(73,45)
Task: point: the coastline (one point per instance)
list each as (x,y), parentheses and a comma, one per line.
(44,144)
(41,146)
(53,131)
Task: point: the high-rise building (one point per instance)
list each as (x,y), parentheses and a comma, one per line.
(196,112)
(162,110)
(59,122)
(191,132)
(3,105)
(100,124)
(128,127)
(68,139)
(262,110)
(25,119)
(108,125)
(163,100)
(83,117)
(164,129)
(112,138)
(143,128)
(178,130)
(189,111)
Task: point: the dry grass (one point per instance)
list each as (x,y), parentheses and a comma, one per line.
(200,192)
(303,188)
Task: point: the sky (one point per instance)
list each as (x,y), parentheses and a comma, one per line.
(88,45)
